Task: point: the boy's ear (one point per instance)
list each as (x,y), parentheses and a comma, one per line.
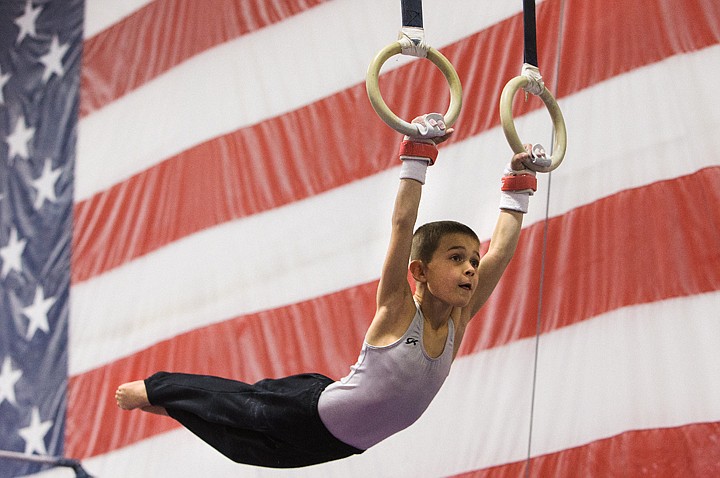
(417,270)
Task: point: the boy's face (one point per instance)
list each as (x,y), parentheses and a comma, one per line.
(452,273)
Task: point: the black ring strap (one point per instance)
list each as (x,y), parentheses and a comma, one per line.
(412,13)
(530,56)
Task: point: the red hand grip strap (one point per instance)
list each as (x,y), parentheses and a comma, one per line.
(519,182)
(422,150)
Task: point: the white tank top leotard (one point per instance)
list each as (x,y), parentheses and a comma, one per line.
(387,390)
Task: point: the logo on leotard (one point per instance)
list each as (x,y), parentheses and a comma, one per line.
(411,341)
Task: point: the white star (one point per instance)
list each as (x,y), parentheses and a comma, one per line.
(18,139)
(37,313)
(11,254)
(26,22)
(34,434)
(45,184)
(8,379)
(53,59)
(3,80)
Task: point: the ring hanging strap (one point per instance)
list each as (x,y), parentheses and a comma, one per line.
(530,54)
(412,13)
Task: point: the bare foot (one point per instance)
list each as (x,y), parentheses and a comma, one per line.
(132,395)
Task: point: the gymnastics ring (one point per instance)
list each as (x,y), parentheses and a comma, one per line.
(382,109)
(506,118)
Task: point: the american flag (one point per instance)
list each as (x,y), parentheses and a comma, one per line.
(229,210)
(40,54)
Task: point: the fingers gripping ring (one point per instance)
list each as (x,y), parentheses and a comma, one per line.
(506,118)
(382,109)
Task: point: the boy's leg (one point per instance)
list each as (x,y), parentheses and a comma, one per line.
(213,399)
(271,423)
(246,446)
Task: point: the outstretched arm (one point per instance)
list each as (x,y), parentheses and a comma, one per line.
(394,296)
(518,185)
(394,290)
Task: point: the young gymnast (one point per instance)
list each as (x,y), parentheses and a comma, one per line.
(308,419)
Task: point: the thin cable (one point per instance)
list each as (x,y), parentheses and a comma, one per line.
(538,325)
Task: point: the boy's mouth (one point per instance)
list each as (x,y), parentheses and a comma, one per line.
(466,286)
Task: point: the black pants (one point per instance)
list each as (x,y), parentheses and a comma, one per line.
(272,423)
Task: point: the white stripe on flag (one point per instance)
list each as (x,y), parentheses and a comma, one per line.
(622,135)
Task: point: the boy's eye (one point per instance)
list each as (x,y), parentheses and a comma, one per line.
(475,263)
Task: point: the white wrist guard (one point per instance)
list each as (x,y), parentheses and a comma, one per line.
(414,168)
(514,201)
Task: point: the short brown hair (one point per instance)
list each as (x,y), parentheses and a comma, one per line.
(427,238)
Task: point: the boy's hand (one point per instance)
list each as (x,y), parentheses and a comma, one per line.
(419,151)
(518,182)
(430,128)
(518,177)
(519,162)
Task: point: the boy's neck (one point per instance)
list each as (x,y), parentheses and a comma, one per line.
(436,312)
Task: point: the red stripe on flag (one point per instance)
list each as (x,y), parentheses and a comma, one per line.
(616,38)
(679,245)
(635,453)
(165,33)
(279,161)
